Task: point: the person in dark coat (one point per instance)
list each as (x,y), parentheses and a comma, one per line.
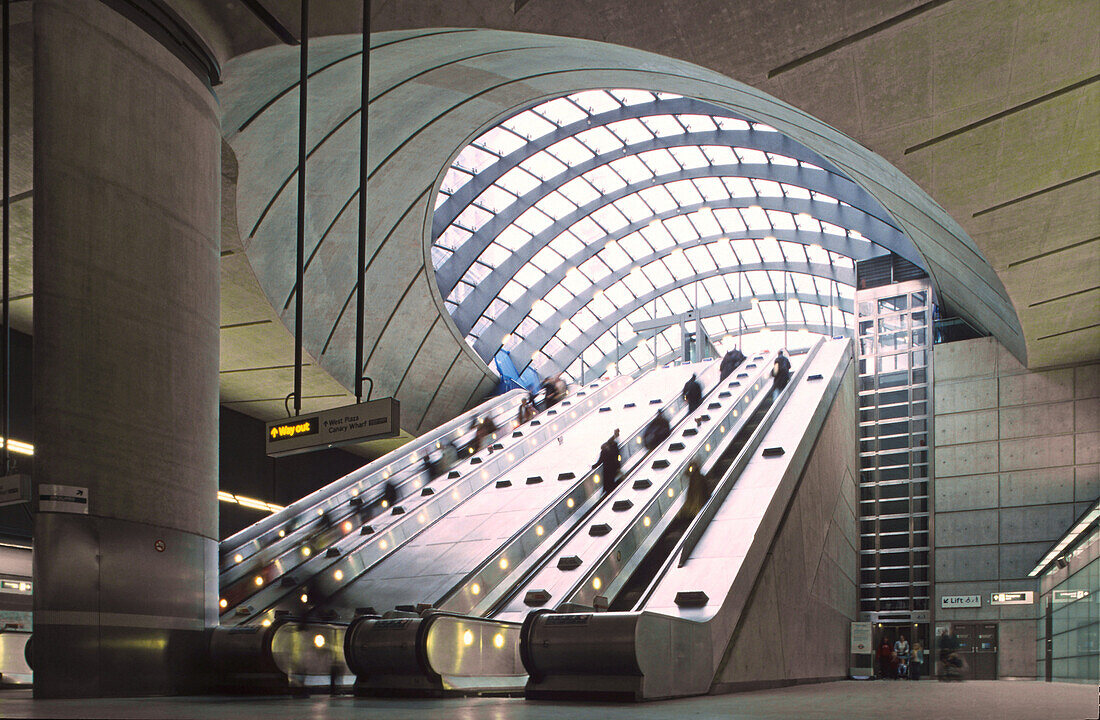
(730,361)
(610,462)
(692,393)
(781,374)
(657,431)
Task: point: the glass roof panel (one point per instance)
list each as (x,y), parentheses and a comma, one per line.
(659,221)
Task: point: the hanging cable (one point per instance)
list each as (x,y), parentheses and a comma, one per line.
(5,351)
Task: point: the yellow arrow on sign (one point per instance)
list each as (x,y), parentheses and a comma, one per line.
(274,433)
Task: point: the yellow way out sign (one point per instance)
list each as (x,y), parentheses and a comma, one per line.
(371,420)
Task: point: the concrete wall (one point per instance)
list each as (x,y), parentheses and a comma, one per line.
(795,626)
(1016,461)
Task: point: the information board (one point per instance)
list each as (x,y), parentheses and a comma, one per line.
(371,420)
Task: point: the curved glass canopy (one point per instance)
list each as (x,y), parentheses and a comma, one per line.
(578,232)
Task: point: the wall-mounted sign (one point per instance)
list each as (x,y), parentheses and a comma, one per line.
(63,498)
(1023,597)
(15,489)
(372,420)
(960,601)
(1064,596)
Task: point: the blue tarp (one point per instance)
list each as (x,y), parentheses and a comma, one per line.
(510,378)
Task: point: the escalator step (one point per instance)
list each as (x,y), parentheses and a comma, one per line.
(504,483)
(641,484)
(691,598)
(599,530)
(622,505)
(570,562)
(534,480)
(426,492)
(536,598)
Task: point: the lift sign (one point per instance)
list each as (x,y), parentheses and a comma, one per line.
(292,429)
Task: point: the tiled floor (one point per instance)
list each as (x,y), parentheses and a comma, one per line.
(975,700)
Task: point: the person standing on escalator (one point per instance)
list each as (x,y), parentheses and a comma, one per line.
(781,374)
(657,431)
(730,362)
(610,462)
(692,393)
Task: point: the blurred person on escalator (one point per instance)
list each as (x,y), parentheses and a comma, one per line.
(698,490)
(610,462)
(526,411)
(730,362)
(781,374)
(657,431)
(692,393)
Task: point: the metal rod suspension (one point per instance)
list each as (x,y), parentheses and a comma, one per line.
(303,101)
(360,290)
(5,352)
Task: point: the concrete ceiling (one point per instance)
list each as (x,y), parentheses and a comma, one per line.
(990,106)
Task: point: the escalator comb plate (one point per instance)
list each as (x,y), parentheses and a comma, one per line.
(692,598)
(569,562)
(622,505)
(599,530)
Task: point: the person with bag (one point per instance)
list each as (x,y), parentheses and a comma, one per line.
(781,374)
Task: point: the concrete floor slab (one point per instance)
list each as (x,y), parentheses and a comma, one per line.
(975,700)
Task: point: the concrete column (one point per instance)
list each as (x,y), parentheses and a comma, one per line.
(126,311)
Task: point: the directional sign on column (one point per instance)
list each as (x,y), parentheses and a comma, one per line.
(372,420)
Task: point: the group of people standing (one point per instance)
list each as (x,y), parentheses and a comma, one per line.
(900,661)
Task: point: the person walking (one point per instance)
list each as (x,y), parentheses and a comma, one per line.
(915,662)
(657,431)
